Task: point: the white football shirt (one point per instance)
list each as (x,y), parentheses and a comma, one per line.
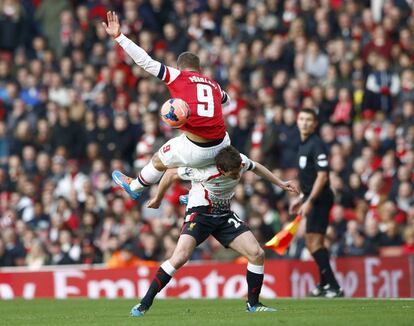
(210,188)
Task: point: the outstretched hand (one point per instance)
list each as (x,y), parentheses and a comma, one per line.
(113,28)
(290,186)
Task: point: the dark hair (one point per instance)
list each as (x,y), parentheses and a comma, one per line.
(228,159)
(309,111)
(188,60)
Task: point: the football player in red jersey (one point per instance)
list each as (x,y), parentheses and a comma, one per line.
(205,132)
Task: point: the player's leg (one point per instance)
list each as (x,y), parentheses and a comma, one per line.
(316,225)
(194,231)
(178,151)
(314,242)
(247,245)
(182,253)
(234,233)
(150,174)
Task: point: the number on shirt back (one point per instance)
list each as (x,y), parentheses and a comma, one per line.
(205,96)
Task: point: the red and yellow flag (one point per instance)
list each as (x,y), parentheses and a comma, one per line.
(281,241)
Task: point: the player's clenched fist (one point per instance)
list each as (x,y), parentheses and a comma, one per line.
(113,28)
(154,203)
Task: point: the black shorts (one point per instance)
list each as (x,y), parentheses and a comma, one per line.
(318,219)
(225,227)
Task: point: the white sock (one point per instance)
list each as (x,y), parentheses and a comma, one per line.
(148,176)
(168,268)
(257,269)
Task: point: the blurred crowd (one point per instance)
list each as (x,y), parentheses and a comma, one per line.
(73,107)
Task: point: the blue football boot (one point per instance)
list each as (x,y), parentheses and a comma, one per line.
(124,181)
(138,311)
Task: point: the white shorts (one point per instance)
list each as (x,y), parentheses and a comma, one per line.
(180,151)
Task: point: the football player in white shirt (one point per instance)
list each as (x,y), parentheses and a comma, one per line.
(208,212)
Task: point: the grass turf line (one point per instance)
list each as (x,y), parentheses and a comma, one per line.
(171,312)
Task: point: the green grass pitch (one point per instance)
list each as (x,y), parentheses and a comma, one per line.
(350,312)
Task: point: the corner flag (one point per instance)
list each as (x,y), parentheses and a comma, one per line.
(281,241)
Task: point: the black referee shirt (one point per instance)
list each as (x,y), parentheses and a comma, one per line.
(312,157)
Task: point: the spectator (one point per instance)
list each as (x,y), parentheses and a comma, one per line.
(288,139)
(67,134)
(124,257)
(148,249)
(408,247)
(382,85)
(13,25)
(316,63)
(37,257)
(58,256)
(14,253)
(390,237)
(358,245)
(47,14)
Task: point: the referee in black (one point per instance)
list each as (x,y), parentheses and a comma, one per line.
(315,201)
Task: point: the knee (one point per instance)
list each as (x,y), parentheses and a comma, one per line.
(179,258)
(256,256)
(156,161)
(312,245)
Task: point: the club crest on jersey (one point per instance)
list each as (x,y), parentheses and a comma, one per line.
(188,172)
(190,218)
(302,161)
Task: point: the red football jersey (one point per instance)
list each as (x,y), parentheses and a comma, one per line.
(204,96)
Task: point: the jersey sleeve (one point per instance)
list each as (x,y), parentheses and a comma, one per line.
(143,59)
(191,174)
(225,98)
(320,156)
(247,164)
(168,74)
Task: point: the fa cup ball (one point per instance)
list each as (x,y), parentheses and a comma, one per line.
(175,112)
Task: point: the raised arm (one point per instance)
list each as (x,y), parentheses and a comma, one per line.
(138,54)
(263,172)
(169,177)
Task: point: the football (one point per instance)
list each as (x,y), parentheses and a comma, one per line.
(175,112)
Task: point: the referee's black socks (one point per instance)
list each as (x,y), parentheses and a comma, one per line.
(321,257)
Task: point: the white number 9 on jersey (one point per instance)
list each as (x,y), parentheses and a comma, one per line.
(205,96)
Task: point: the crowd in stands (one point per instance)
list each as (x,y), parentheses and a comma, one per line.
(73,107)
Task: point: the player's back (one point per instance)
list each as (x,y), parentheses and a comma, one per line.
(210,187)
(204,97)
